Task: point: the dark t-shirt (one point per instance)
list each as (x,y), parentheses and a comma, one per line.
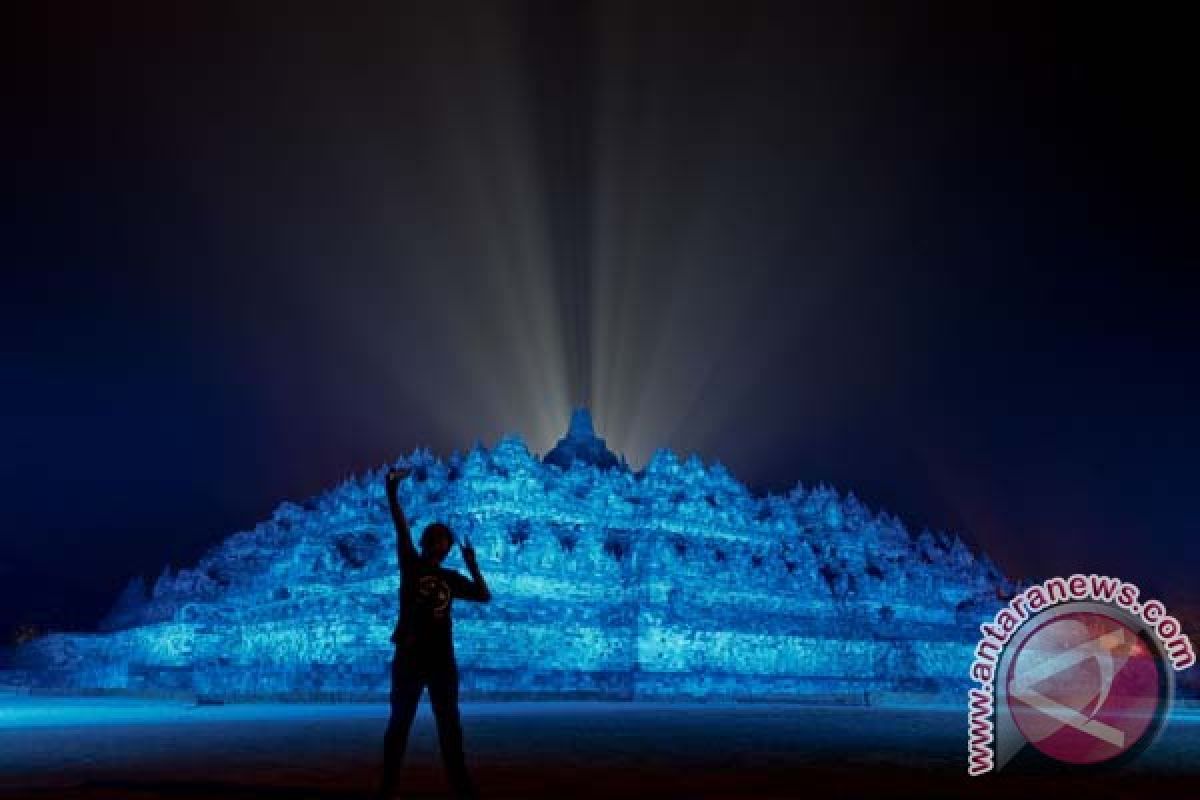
(426,594)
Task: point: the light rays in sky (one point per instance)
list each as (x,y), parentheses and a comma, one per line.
(548,215)
(609,255)
(617,238)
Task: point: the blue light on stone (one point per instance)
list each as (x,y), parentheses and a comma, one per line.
(673,582)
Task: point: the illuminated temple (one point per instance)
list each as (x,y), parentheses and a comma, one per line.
(672,582)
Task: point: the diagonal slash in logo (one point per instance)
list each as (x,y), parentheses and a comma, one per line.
(1101,649)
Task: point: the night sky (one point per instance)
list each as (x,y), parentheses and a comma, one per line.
(938,256)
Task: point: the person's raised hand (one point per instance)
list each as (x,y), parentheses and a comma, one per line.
(394,476)
(468,553)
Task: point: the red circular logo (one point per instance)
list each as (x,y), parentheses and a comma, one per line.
(1084,687)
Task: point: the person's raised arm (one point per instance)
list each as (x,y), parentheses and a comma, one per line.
(405,552)
(479,591)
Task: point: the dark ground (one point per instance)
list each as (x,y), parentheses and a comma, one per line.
(124,750)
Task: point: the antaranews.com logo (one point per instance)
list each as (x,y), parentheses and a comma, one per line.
(1076,668)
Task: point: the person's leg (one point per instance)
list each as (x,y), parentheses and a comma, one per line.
(443,696)
(407,683)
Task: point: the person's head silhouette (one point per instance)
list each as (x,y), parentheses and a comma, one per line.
(436,541)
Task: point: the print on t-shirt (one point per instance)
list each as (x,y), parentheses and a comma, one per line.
(426,594)
(433,594)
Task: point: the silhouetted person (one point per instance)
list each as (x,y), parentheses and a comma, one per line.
(424,654)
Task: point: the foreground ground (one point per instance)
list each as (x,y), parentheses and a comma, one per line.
(131,750)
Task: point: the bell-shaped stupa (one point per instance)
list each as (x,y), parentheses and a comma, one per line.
(581,444)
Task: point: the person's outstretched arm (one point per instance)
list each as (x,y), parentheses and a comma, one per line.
(479,591)
(406,554)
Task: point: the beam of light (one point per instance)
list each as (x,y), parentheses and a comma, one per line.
(547,214)
(485,287)
(668,309)
(433,289)
(710,263)
(510,341)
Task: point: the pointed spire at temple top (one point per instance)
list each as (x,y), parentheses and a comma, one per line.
(581,444)
(581,424)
